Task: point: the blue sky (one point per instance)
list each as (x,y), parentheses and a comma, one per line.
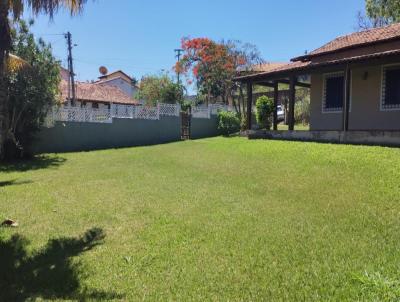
(139,36)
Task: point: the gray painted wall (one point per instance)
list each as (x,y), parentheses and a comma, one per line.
(204,127)
(73,136)
(365,112)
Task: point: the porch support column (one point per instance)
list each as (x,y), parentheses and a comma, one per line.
(276,96)
(249,103)
(346,103)
(292,97)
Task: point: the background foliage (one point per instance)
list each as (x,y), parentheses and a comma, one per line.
(302,107)
(160,88)
(32,89)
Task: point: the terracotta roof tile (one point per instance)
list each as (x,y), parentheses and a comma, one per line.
(357,39)
(267,66)
(97,93)
(305,67)
(277,69)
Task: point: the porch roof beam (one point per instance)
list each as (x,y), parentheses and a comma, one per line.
(281,81)
(299,84)
(266,84)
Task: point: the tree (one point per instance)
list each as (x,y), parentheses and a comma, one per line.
(246,56)
(14,9)
(32,89)
(208,63)
(214,65)
(172,93)
(386,10)
(160,88)
(379,13)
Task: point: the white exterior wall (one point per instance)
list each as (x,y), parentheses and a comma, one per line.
(122,84)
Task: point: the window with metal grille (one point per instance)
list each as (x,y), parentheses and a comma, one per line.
(333,92)
(391,88)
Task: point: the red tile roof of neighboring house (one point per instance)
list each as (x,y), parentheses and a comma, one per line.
(97,93)
(357,39)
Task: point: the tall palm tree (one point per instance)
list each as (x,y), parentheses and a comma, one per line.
(13,9)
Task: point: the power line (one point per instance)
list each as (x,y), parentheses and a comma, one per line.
(55,42)
(59,34)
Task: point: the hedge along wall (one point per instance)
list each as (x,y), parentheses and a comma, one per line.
(82,136)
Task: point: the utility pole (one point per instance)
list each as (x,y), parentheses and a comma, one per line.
(178,56)
(71,76)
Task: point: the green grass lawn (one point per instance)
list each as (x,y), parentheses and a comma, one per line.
(222,219)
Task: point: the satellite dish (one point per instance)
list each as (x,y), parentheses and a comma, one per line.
(103,70)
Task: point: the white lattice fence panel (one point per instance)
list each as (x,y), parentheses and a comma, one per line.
(147,113)
(100,116)
(77,114)
(201,112)
(169,109)
(122,111)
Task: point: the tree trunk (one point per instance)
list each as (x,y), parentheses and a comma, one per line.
(5,47)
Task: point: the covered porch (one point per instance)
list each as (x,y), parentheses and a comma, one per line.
(272,79)
(361,119)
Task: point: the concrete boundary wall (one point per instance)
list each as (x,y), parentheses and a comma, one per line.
(201,128)
(381,138)
(83,136)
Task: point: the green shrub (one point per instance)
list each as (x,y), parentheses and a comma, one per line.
(264,110)
(302,111)
(228,122)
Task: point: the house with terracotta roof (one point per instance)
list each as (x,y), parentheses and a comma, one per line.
(93,95)
(121,80)
(96,96)
(354,82)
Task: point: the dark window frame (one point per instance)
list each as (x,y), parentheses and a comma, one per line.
(326,78)
(387,106)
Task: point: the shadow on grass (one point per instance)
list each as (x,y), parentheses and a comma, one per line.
(14,182)
(36,163)
(50,272)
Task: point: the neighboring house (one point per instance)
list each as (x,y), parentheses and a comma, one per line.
(96,96)
(92,95)
(121,80)
(354,82)
(64,73)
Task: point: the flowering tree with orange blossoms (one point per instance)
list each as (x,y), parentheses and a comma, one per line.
(214,65)
(208,63)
